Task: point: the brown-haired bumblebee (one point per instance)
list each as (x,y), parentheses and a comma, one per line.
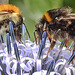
(11,13)
(57,21)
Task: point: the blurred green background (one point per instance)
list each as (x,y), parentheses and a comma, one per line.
(33,10)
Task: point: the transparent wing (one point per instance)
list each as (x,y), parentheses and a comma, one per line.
(67,17)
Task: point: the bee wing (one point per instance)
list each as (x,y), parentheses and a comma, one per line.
(67,17)
(71,15)
(3,12)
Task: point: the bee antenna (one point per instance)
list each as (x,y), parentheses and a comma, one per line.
(27,31)
(35,36)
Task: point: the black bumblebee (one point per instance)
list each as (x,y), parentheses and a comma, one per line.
(57,21)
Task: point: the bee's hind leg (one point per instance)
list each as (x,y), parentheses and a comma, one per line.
(49,36)
(51,46)
(67,42)
(56,36)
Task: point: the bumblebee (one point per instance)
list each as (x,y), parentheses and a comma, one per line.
(59,22)
(11,13)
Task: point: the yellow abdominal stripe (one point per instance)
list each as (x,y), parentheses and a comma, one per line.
(47,16)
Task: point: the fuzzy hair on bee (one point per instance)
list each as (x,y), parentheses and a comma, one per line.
(57,22)
(12,13)
(56,19)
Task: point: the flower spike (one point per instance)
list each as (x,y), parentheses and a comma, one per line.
(42,44)
(23,33)
(16,51)
(8,43)
(18,69)
(11,31)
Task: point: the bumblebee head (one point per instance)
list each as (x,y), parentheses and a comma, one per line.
(39,29)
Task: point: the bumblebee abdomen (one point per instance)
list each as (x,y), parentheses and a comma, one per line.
(51,15)
(60,12)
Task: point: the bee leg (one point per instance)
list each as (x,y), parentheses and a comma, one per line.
(51,47)
(67,41)
(48,34)
(18,33)
(35,37)
(15,32)
(56,36)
